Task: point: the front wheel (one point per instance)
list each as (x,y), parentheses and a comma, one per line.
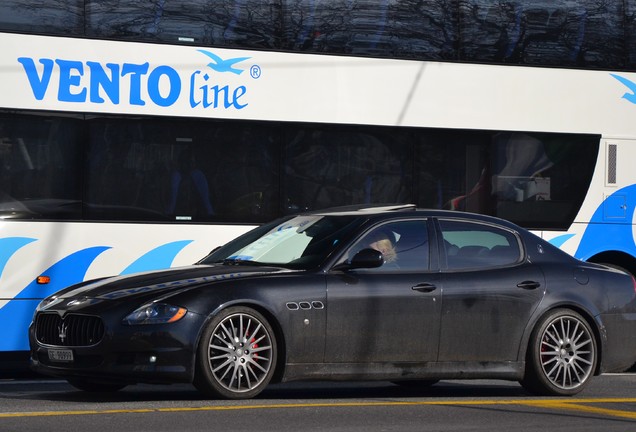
(236,356)
(562,355)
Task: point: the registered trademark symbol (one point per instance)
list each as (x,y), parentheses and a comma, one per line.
(255,71)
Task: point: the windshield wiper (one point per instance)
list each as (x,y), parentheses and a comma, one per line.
(238,261)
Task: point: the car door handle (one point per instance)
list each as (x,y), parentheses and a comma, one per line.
(528,285)
(424,287)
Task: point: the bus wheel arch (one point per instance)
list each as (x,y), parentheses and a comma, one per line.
(616,259)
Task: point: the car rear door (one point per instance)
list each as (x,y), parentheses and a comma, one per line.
(489,292)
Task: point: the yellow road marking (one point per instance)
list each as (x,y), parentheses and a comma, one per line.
(555,404)
(585,408)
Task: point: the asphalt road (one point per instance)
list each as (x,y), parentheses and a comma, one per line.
(608,404)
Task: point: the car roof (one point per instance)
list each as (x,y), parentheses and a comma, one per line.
(365,209)
(382,211)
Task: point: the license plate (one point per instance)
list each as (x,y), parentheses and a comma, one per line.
(61,355)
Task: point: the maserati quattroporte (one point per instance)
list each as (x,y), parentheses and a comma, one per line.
(399,294)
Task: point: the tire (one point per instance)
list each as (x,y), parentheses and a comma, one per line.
(562,355)
(94,386)
(236,356)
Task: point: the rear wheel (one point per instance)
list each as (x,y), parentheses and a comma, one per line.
(562,355)
(236,356)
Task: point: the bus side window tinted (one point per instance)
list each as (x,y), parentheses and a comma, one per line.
(244,23)
(575,34)
(327,166)
(540,180)
(181,170)
(566,34)
(40,167)
(65,17)
(537,180)
(198,170)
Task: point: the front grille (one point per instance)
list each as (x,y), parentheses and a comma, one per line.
(72,330)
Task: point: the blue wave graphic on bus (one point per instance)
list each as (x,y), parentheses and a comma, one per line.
(19,311)
(65,272)
(220,65)
(68,271)
(560,240)
(604,235)
(9,246)
(158,258)
(631,85)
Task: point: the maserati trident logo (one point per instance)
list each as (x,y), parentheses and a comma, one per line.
(62,331)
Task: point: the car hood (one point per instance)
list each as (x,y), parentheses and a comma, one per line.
(161,282)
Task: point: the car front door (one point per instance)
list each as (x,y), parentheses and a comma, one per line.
(390,313)
(489,293)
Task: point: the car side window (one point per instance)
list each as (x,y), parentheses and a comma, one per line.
(469,245)
(404,245)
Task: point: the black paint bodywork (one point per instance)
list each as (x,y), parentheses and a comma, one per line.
(335,323)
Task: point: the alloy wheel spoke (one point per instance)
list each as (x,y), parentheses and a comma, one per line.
(243,358)
(566,361)
(227,365)
(227,350)
(578,370)
(258,366)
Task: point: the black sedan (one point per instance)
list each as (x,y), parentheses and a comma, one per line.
(399,294)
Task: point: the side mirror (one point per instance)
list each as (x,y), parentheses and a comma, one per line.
(366,258)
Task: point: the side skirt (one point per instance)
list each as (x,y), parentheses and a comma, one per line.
(403,371)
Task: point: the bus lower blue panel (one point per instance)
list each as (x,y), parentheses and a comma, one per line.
(603,234)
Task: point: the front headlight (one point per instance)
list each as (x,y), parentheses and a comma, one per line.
(155,313)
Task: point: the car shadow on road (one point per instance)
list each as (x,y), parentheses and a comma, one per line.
(380,390)
(305,391)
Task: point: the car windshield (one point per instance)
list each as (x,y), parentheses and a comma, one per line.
(300,242)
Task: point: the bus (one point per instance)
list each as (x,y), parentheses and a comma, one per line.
(136,136)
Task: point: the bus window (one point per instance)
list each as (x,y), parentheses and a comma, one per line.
(62,17)
(181,170)
(535,180)
(578,34)
(335,166)
(385,29)
(40,167)
(242,23)
(543,32)
(629,41)
(540,180)
(450,167)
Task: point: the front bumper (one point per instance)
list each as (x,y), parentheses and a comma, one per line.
(126,354)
